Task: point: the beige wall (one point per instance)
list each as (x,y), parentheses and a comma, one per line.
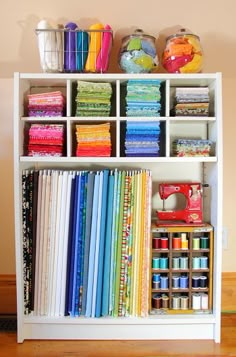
(213,21)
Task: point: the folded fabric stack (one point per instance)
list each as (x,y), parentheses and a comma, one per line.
(191,147)
(50,104)
(143,98)
(142,138)
(46,140)
(93,140)
(93,99)
(192,101)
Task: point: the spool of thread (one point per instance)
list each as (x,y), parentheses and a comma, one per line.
(183,262)
(184,241)
(156,301)
(175,302)
(196,301)
(164,243)
(203,262)
(204,242)
(195,282)
(164,282)
(175,282)
(163,263)
(175,262)
(164,301)
(156,243)
(156,277)
(176,243)
(184,244)
(155,262)
(204,301)
(156,285)
(196,243)
(203,282)
(183,282)
(196,262)
(184,302)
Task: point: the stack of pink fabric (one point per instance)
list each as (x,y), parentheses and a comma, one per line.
(46,140)
(50,104)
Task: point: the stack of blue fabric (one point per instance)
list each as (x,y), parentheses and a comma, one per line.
(143,98)
(142,138)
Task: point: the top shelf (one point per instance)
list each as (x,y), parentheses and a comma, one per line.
(177,127)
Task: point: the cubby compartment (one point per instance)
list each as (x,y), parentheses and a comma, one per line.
(91,98)
(91,138)
(187,277)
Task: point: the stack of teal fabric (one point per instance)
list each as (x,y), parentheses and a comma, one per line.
(93,99)
(143,98)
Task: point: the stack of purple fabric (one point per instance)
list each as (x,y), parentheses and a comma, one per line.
(50,104)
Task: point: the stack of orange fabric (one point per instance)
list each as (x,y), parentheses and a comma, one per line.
(93,140)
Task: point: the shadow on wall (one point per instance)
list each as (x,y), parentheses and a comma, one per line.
(27,48)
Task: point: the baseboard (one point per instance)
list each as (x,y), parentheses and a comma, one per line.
(8,293)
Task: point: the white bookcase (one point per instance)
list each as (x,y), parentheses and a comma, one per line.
(164,168)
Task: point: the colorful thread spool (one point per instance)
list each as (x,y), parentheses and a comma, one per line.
(203,282)
(183,262)
(175,262)
(204,301)
(196,262)
(184,300)
(196,243)
(176,243)
(164,301)
(176,302)
(164,282)
(156,278)
(175,282)
(203,262)
(164,243)
(184,241)
(195,282)
(155,262)
(156,301)
(163,263)
(196,301)
(183,282)
(156,243)
(204,242)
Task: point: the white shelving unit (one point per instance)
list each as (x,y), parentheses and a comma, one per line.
(165,168)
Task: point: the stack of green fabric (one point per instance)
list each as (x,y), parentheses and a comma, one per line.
(93,99)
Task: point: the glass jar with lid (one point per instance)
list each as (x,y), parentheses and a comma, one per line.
(183,53)
(138,53)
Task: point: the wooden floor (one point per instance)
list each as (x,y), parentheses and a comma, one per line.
(9,347)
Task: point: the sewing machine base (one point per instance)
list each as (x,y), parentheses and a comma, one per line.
(179,224)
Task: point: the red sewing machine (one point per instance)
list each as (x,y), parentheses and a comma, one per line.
(192,213)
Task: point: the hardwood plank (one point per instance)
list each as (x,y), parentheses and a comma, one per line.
(9,346)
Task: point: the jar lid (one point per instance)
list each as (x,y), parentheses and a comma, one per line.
(182,32)
(138,32)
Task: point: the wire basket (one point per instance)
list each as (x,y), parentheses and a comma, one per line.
(74,51)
